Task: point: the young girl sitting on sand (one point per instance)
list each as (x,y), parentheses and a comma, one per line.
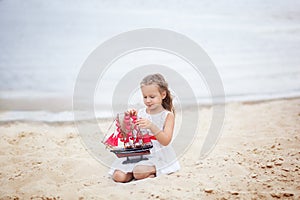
(158,118)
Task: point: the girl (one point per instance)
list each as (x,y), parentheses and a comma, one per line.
(158,119)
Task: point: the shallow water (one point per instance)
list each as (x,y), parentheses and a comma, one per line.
(254,46)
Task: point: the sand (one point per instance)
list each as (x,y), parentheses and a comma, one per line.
(257,157)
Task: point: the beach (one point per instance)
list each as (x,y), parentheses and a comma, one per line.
(254,50)
(256,157)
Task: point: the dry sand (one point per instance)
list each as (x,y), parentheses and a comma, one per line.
(257,157)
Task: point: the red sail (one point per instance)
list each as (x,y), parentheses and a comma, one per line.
(112,141)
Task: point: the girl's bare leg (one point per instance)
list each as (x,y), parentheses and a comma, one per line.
(144,171)
(122,177)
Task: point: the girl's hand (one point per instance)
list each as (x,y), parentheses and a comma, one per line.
(144,123)
(131,111)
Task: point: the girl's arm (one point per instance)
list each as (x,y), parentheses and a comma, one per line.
(164,137)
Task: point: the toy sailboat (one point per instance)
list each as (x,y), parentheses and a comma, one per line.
(128,140)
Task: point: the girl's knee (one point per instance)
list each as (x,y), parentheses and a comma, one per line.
(121,177)
(141,172)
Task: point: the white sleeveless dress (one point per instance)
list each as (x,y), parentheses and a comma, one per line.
(162,157)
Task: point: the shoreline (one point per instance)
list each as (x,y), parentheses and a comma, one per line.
(64,104)
(257,156)
(64,114)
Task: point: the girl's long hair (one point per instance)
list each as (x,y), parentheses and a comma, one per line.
(160,81)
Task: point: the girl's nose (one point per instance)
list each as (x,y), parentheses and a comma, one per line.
(148,100)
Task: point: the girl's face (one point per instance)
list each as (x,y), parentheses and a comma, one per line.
(153,98)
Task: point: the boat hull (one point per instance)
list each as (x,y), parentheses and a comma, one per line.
(123,152)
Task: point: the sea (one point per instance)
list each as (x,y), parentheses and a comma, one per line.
(253,44)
